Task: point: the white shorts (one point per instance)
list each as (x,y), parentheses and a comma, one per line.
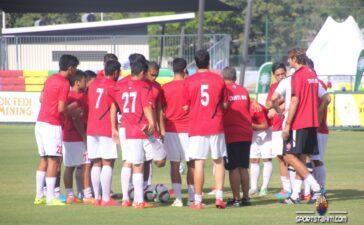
(322,144)
(75,154)
(49,139)
(176,146)
(199,146)
(136,151)
(261,147)
(101,147)
(277,143)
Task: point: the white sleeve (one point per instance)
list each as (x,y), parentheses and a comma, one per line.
(281,88)
(321,91)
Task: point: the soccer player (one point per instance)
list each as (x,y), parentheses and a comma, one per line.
(107,57)
(101,148)
(319,169)
(74,135)
(238,134)
(151,76)
(176,136)
(133,98)
(260,149)
(299,132)
(279,72)
(205,96)
(48,131)
(90,77)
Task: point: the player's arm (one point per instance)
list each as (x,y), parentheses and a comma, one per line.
(260,126)
(114,123)
(291,114)
(325,101)
(79,124)
(160,117)
(148,112)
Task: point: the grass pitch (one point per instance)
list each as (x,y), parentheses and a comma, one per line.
(19,158)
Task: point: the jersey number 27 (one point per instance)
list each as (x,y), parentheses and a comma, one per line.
(126,96)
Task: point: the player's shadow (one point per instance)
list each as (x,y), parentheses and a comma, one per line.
(344,194)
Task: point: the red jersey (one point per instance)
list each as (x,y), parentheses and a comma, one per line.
(305,86)
(277,120)
(131,97)
(69,131)
(176,117)
(100,74)
(237,119)
(55,89)
(259,117)
(156,92)
(323,129)
(204,94)
(99,103)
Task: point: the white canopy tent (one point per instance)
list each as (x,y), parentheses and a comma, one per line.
(336,48)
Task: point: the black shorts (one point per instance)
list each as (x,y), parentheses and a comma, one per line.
(238,154)
(302,141)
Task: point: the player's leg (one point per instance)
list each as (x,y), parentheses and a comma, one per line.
(267,174)
(285,179)
(147,173)
(231,164)
(190,181)
(40,181)
(68,181)
(254,175)
(108,155)
(199,176)
(126,170)
(79,181)
(95,179)
(218,152)
(176,183)
(51,177)
(318,160)
(244,152)
(307,188)
(86,178)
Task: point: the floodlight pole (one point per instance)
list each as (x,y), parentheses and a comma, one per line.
(245,45)
(4,19)
(201,12)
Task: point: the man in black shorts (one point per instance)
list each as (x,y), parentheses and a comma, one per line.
(238,134)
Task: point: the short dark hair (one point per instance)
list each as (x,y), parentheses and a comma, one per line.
(90,74)
(278,65)
(67,61)
(229,73)
(310,63)
(110,56)
(179,65)
(139,66)
(153,65)
(135,57)
(202,58)
(111,66)
(79,75)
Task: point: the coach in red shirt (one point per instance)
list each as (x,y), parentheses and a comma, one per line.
(238,134)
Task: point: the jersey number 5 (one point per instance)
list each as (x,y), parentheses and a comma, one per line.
(205,97)
(125,97)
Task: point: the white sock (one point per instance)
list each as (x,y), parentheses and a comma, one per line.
(254,175)
(57,191)
(69,192)
(219,195)
(79,182)
(125,182)
(138,187)
(198,198)
(40,176)
(45,189)
(292,175)
(267,173)
(95,180)
(177,188)
(87,192)
(150,174)
(105,179)
(191,192)
(50,183)
(286,184)
(296,189)
(313,183)
(320,175)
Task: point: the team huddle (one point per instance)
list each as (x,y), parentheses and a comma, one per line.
(85,116)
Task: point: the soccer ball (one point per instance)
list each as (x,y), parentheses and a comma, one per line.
(162,193)
(149,193)
(322,205)
(131,192)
